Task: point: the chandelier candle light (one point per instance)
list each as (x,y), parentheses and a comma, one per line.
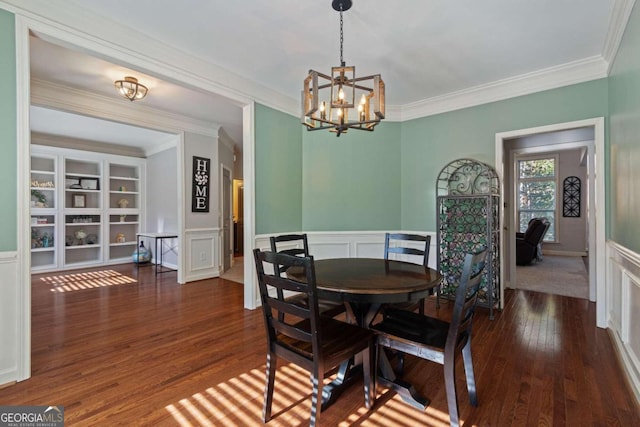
(329,102)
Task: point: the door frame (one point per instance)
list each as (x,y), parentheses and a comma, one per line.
(157,65)
(228,202)
(597,217)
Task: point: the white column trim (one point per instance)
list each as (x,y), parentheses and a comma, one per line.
(23,137)
(248,166)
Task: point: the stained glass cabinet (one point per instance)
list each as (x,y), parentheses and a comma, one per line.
(468,204)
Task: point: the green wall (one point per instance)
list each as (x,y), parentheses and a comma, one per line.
(8,135)
(430,143)
(386,180)
(278,171)
(351,182)
(624,136)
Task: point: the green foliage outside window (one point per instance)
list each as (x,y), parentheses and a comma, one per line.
(537,192)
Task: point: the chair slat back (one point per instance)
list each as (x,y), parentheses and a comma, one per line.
(283,317)
(290,239)
(466,299)
(398,243)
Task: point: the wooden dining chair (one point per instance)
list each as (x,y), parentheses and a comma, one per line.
(400,244)
(298,245)
(439,341)
(314,342)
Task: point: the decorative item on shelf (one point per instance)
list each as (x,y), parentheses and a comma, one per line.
(81,220)
(41,199)
(46,241)
(342,101)
(79,201)
(35,238)
(123,218)
(68,241)
(120,238)
(75,187)
(45,184)
(80,236)
(34,220)
(91,239)
(42,220)
(123,188)
(90,183)
(40,240)
(141,254)
(123,203)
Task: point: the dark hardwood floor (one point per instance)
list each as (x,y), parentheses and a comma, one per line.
(113,351)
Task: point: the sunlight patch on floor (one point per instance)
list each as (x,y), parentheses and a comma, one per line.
(86,280)
(238,403)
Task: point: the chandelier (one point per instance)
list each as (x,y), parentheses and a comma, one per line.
(342,101)
(131,89)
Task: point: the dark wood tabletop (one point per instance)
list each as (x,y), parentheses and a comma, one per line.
(372,280)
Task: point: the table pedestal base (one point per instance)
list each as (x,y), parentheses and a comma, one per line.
(348,373)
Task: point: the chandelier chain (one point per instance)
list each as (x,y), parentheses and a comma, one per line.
(341,37)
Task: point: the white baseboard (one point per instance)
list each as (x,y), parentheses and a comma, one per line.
(564,253)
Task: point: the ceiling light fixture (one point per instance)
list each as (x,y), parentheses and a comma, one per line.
(329,102)
(131,89)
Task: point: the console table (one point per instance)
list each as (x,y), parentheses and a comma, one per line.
(158,241)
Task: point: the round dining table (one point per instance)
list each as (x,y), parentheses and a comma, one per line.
(365,285)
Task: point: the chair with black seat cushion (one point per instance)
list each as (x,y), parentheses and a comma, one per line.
(437,340)
(529,243)
(314,342)
(400,244)
(298,245)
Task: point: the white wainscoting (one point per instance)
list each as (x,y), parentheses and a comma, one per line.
(346,244)
(202,257)
(9,317)
(350,244)
(623,308)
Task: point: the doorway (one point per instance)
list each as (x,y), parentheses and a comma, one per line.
(227,240)
(597,218)
(162,67)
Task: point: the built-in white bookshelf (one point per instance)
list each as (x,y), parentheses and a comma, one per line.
(86,208)
(44,179)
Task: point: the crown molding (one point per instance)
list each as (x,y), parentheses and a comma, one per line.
(617,24)
(226,140)
(171,142)
(67,22)
(45,139)
(65,98)
(550,78)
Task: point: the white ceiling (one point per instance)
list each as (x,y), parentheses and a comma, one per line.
(422,48)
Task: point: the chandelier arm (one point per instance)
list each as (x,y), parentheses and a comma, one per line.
(325,76)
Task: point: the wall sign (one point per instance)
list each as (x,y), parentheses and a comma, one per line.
(571,197)
(200,186)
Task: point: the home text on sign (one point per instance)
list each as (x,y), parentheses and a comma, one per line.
(200,188)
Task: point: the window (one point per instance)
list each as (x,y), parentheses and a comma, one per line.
(537,183)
